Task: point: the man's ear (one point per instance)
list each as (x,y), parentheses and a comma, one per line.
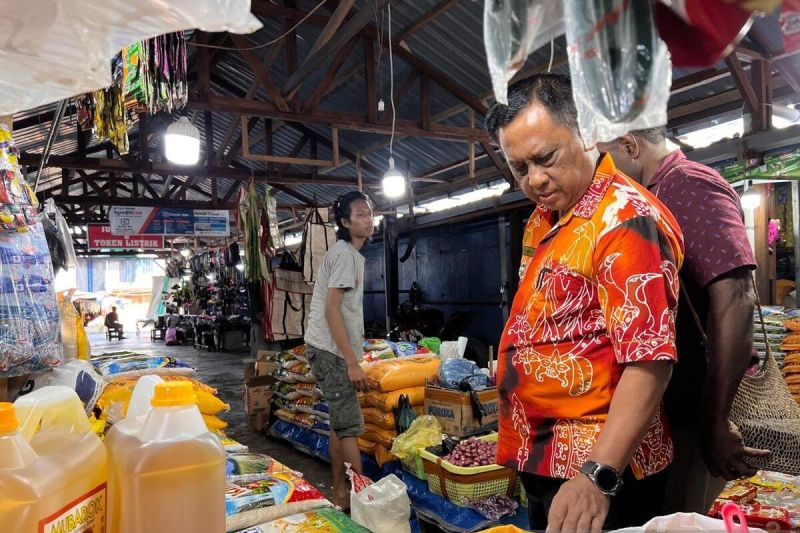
(629,146)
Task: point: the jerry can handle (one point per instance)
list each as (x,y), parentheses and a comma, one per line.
(54,407)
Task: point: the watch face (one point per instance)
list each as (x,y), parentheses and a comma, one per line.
(606,478)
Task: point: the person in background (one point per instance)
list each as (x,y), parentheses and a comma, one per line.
(335,335)
(717,277)
(588,348)
(112,322)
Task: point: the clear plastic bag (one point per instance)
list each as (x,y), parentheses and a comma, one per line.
(620,71)
(54,49)
(380,506)
(512,29)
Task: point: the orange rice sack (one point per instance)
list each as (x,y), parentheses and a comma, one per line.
(402,373)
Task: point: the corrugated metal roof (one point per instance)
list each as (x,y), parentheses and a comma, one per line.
(452,44)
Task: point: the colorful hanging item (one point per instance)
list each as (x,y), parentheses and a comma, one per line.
(790,25)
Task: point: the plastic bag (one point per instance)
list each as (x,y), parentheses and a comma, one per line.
(680,522)
(404,414)
(78,375)
(64,233)
(494,507)
(512,29)
(380,506)
(321,520)
(65,52)
(454,373)
(383,419)
(424,431)
(621,75)
(431,343)
(142,365)
(246,465)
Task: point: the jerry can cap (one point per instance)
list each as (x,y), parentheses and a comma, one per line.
(172,393)
(8,418)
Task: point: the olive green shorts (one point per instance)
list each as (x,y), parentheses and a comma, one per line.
(330,370)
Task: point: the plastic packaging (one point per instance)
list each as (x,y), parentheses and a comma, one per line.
(404,414)
(431,343)
(77,375)
(620,72)
(66,52)
(455,372)
(43,429)
(320,520)
(380,506)
(512,29)
(142,365)
(494,507)
(173,462)
(401,373)
(424,431)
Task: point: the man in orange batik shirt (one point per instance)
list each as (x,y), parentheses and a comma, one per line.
(590,342)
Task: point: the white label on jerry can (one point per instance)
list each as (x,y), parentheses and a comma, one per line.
(87,514)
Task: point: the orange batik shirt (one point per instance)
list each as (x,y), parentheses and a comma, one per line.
(599,289)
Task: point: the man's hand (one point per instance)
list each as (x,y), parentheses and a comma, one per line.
(725,452)
(578,506)
(357,377)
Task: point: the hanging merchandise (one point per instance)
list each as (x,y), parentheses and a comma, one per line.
(267,242)
(512,29)
(271,208)
(65,50)
(250,225)
(63,234)
(620,72)
(290,306)
(700,33)
(18,202)
(790,25)
(318,235)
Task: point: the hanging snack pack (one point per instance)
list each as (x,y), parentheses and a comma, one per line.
(620,72)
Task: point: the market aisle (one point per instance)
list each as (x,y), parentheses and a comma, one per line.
(225,372)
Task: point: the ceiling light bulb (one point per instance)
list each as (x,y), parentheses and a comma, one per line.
(394,183)
(240,267)
(182,142)
(211,276)
(751,199)
(186,252)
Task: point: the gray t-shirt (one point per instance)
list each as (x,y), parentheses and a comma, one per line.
(343,268)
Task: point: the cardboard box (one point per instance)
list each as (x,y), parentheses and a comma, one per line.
(264,364)
(453,410)
(258,401)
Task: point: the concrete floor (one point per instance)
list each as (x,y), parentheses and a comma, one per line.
(225,372)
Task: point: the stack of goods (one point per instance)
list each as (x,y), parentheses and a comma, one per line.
(791,362)
(390,380)
(380,349)
(774,318)
(297,399)
(29,318)
(769,500)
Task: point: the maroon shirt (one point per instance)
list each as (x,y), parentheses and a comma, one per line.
(709,213)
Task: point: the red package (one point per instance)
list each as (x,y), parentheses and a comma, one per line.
(358,481)
(759,516)
(303,490)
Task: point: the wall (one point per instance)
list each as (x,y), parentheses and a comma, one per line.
(458,268)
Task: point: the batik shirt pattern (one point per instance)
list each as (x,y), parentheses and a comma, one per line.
(598,290)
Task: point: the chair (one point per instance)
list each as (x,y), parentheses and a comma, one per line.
(113,333)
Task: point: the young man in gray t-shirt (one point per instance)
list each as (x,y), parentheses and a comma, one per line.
(335,335)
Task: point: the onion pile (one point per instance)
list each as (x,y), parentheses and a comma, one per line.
(472,452)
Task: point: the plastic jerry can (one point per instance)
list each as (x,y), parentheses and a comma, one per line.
(171,473)
(52,466)
(138,409)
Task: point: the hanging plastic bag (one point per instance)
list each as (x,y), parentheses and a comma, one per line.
(621,75)
(381,506)
(512,29)
(64,233)
(404,414)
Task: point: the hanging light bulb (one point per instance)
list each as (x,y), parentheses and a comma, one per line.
(751,199)
(185,253)
(394,183)
(240,267)
(182,142)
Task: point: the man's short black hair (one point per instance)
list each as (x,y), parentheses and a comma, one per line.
(652,135)
(342,211)
(553,91)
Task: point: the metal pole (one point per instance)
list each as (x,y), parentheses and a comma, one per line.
(62,106)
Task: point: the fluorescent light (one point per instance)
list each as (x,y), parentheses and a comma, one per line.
(751,199)
(463,199)
(291,240)
(394,183)
(140,250)
(182,142)
(706,136)
(105,250)
(185,252)
(146,256)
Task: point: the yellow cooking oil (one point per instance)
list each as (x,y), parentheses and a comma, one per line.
(52,466)
(171,475)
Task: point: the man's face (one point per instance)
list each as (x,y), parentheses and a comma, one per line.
(548,159)
(626,155)
(360,223)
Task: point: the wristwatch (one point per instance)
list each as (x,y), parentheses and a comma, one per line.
(605,478)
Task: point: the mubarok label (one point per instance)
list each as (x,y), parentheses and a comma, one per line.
(86,514)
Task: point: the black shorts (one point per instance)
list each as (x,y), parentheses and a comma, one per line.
(330,370)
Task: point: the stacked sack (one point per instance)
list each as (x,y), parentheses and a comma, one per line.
(389,380)
(791,362)
(296,398)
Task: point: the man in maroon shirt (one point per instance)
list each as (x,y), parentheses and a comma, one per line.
(717,276)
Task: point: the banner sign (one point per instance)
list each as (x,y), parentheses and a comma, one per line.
(169,221)
(100,236)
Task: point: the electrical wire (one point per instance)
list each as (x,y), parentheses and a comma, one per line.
(391,80)
(273,41)
(552,50)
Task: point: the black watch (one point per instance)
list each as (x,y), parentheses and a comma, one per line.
(605,478)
